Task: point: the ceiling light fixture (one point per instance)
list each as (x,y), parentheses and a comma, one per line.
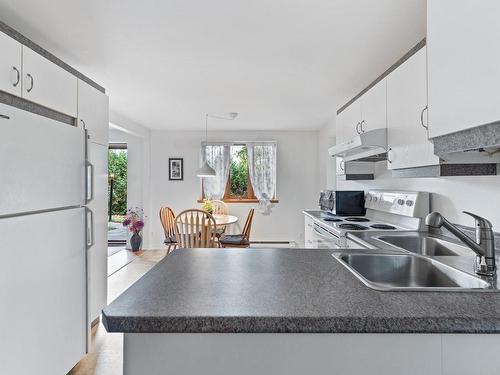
(206,170)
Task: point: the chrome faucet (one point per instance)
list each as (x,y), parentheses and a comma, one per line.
(484,246)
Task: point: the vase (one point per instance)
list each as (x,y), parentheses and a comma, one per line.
(136,241)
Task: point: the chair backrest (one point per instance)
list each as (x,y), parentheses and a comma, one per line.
(195,228)
(220,208)
(167,218)
(248,225)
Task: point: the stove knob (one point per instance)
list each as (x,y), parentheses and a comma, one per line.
(409,203)
(401,202)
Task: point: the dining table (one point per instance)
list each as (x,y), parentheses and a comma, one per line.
(223,220)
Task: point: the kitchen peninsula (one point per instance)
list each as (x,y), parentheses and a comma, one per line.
(291,311)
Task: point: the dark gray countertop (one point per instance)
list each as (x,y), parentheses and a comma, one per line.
(285,291)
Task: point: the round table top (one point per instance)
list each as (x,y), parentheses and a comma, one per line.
(224,219)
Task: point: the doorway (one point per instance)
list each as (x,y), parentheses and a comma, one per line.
(117,196)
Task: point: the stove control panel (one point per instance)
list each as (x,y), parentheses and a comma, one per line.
(406,203)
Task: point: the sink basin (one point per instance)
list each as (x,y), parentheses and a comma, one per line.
(423,245)
(406,272)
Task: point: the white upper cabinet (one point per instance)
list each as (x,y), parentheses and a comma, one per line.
(373,108)
(47,84)
(463,61)
(93,112)
(348,122)
(369,112)
(10,65)
(406,119)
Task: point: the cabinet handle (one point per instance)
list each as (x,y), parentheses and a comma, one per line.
(357,127)
(32,82)
(426,127)
(361,126)
(5,117)
(342,165)
(18,76)
(389,151)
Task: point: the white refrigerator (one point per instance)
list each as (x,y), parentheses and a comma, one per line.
(45,231)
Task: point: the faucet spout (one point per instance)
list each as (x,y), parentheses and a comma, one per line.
(484,246)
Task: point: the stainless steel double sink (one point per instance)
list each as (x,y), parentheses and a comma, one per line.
(414,267)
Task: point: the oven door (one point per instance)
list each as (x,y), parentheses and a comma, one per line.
(322,238)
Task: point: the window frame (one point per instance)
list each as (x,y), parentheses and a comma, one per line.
(227,198)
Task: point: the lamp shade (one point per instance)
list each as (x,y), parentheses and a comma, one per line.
(205,171)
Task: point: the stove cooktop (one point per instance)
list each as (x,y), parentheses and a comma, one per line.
(383,226)
(357,219)
(352,226)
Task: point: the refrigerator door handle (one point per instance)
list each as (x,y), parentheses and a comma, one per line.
(90,227)
(90,182)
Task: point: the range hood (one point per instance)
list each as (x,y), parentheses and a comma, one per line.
(369,146)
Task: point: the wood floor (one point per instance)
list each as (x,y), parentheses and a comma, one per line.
(105,356)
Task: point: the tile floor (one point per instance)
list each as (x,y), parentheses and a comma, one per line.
(105,357)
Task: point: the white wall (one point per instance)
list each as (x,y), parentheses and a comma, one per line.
(450,195)
(297,180)
(138,165)
(326,139)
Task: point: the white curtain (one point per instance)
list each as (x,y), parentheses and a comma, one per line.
(262,172)
(218,157)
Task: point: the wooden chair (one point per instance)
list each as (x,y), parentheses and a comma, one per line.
(167,218)
(239,240)
(220,208)
(195,228)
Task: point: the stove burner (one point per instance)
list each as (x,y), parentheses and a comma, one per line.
(357,219)
(332,219)
(352,226)
(382,226)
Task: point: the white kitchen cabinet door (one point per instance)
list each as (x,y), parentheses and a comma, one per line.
(10,65)
(42,163)
(373,108)
(463,68)
(348,122)
(93,112)
(406,100)
(47,84)
(43,307)
(97,254)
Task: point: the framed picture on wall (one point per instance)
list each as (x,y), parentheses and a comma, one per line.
(175,169)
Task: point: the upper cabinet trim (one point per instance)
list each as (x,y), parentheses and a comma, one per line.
(49,56)
(406,56)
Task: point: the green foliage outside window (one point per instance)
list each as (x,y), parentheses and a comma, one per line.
(239,171)
(117,166)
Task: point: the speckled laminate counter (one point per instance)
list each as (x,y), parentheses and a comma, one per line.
(285,291)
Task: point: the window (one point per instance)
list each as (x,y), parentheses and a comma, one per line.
(237,186)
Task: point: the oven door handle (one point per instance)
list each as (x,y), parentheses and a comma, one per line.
(323,234)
